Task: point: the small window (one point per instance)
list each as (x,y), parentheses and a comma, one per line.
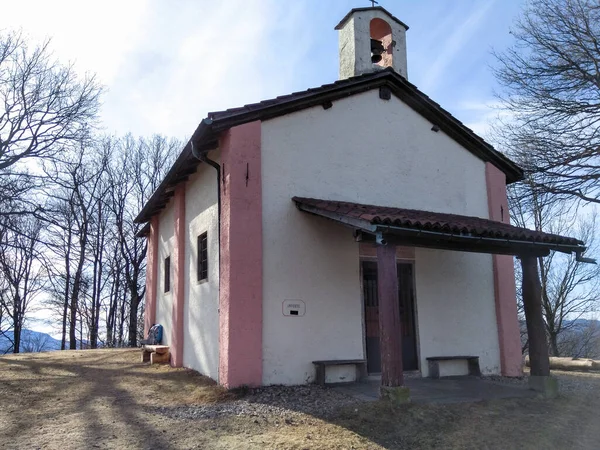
(202,257)
(167,274)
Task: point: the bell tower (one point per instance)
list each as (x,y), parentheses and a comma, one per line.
(371,39)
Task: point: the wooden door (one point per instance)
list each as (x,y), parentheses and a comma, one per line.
(406,295)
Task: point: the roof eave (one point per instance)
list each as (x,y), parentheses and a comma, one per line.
(394,80)
(209,129)
(201,136)
(369,8)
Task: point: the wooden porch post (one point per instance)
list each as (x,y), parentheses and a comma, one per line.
(532,303)
(390,332)
(539,379)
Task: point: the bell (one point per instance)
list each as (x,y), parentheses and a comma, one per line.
(377,49)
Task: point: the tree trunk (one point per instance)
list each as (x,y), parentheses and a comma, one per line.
(63,342)
(73,313)
(133,318)
(121,320)
(93,322)
(532,303)
(16,325)
(75,296)
(554,344)
(112,310)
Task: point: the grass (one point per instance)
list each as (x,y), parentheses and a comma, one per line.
(104,399)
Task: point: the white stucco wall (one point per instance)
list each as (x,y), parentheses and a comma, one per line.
(319,266)
(164,300)
(201,303)
(201,307)
(362,150)
(455,301)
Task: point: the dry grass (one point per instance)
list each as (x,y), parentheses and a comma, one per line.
(103,399)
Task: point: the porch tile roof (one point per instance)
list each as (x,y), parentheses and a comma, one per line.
(418,220)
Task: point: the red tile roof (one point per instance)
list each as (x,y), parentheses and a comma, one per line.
(430,221)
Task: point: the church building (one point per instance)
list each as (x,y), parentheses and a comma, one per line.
(354,228)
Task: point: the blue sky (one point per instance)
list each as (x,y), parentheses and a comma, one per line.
(165,64)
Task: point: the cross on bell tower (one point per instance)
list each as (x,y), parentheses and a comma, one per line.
(373,3)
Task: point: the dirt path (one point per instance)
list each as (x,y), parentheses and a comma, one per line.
(107,399)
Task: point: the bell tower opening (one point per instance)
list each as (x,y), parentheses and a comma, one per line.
(382,43)
(371,39)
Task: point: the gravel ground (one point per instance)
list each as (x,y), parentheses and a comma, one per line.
(520,381)
(286,402)
(578,383)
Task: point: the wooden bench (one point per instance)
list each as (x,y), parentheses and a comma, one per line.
(434,364)
(361,368)
(156,354)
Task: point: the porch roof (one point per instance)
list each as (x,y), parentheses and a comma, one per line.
(418,228)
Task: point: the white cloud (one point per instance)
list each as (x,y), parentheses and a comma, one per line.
(94,36)
(166,64)
(453,45)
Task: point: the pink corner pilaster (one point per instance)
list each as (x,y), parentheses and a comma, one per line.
(178,263)
(240,290)
(151,276)
(504,280)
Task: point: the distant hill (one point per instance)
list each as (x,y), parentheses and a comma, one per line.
(581,339)
(584,323)
(31,341)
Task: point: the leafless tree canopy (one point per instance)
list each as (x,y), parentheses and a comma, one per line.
(97,263)
(551,81)
(68,197)
(570,289)
(43,106)
(22,277)
(43,102)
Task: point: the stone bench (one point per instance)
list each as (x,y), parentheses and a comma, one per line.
(321,366)
(156,354)
(434,364)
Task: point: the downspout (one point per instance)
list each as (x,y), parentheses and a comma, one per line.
(203,156)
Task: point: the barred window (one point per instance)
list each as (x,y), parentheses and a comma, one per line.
(202,257)
(167,274)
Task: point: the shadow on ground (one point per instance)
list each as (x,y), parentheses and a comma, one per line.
(90,399)
(106,399)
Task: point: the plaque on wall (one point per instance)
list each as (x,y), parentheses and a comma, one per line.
(294,308)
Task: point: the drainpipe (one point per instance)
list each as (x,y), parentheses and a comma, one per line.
(203,156)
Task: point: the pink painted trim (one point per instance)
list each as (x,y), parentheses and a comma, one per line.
(504,280)
(151,278)
(178,263)
(240,284)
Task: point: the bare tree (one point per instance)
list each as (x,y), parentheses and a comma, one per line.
(21,271)
(43,105)
(569,287)
(551,80)
(37,342)
(73,190)
(97,262)
(58,262)
(582,340)
(135,175)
